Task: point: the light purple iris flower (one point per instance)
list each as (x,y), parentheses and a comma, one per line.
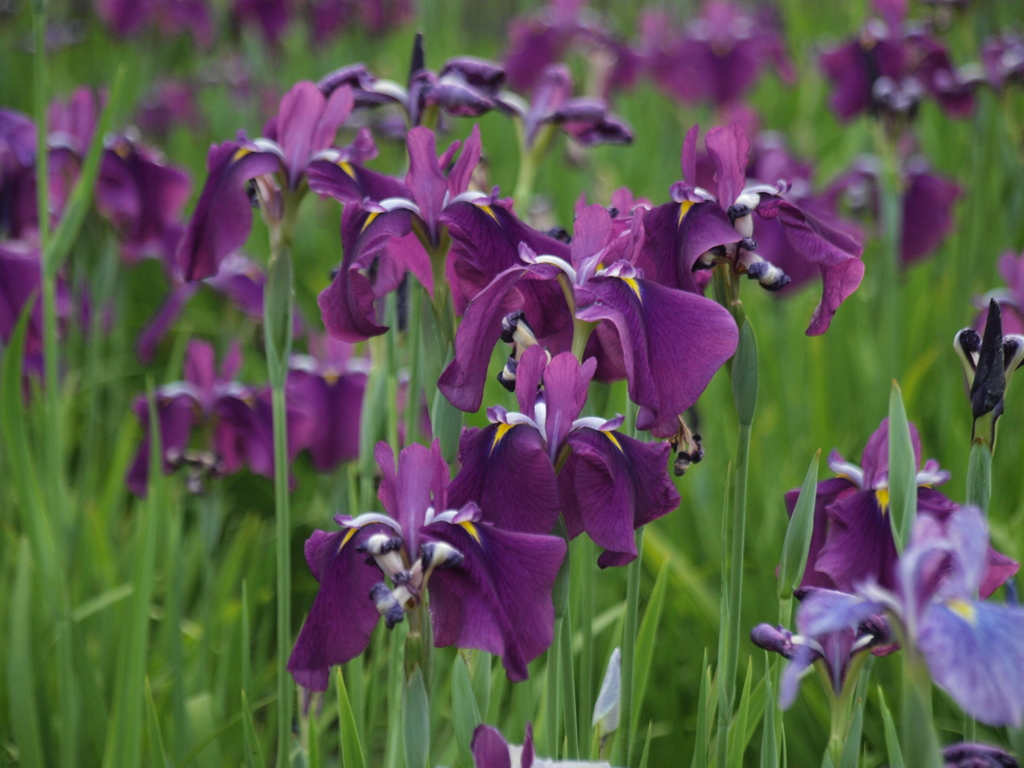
(587,121)
(670,342)
(490,589)
(395,231)
(526,467)
(237,278)
(129,18)
(974,650)
(928,201)
(464,87)
(835,649)
(852,542)
(891,66)
(490,750)
(306,124)
(720,55)
(1003,59)
(237,417)
(701,228)
(329,383)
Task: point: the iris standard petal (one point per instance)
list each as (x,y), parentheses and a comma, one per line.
(728,148)
(566,384)
(499,599)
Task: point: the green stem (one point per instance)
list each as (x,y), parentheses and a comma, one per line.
(530,159)
(553,712)
(585,557)
(737,545)
(891,219)
(277,322)
(622,753)
(979,476)
(920,744)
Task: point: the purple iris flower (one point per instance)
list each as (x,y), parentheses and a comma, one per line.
(694,232)
(891,66)
(587,120)
(1011,298)
(537,41)
(851,541)
(526,467)
(490,589)
(977,756)
(237,278)
(670,343)
(235,417)
(17,174)
(129,18)
(490,750)
(393,227)
(928,201)
(974,650)
(329,383)
(271,17)
(328,17)
(464,87)
(1003,59)
(836,650)
(169,103)
(272,168)
(20,274)
(720,55)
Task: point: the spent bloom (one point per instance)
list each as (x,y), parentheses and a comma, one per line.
(974,650)
(490,589)
(667,343)
(527,466)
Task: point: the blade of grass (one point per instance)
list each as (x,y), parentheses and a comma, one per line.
(645,642)
(902,471)
(351,746)
(737,741)
(158,755)
(253,752)
(21,679)
(769,752)
(892,741)
(465,712)
(567,686)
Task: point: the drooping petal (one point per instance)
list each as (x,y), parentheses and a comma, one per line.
(507,472)
(348,182)
(678,233)
(342,616)
(334,407)
(222,218)
(927,213)
(499,599)
(673,342)
(837,283)
(611,485)
(848,68)
(244,434)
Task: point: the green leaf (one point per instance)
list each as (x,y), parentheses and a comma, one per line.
(902,471)
(416,714)
(102,601)
(482,680)
(446,421)
(645,639)
(769,750)
(798,533)
(737,734)
(73,215)
(700,743)
(892,742)
(351,746)
(647,746)
(567,686)
(246,642)
(979,476)
(21,678)
(465,713)
(253,751)
(744,375)
(158,755)
(851,752)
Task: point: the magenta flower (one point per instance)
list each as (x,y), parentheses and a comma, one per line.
(851,542)
(275,166)
(720,55)
(701,228)
(973,649)
(526,467)
(489,589)
(670,343)
(20,276)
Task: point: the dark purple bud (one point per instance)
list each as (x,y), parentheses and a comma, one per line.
(776,639)
(990,376)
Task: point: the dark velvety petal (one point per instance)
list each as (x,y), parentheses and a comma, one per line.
(20,274)
(177,414)
(350,183)
(927,214)
(347,304)
(813,239)
(848,68)
(828,491)
(485,242)
(425,182)
(676,234)
(728,149)
(242,282)
(488,76)
(462,382)
(342,616)
(222,218)
(499,599)
(975,652)
(244,434)
(462,170)
(507,472)
(529,375)
(837,282)
(611,485)
(566,383)
(859,546)
(489,749)
(334,406)
(673,342)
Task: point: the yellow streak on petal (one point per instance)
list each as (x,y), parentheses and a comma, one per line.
(963,609)
(615,441)
(487,209)
(684,208)
(347,168)
(369,219)
(471,530)
(632,283)
(500,433)
(882,496)
(351,532)
(240,153)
